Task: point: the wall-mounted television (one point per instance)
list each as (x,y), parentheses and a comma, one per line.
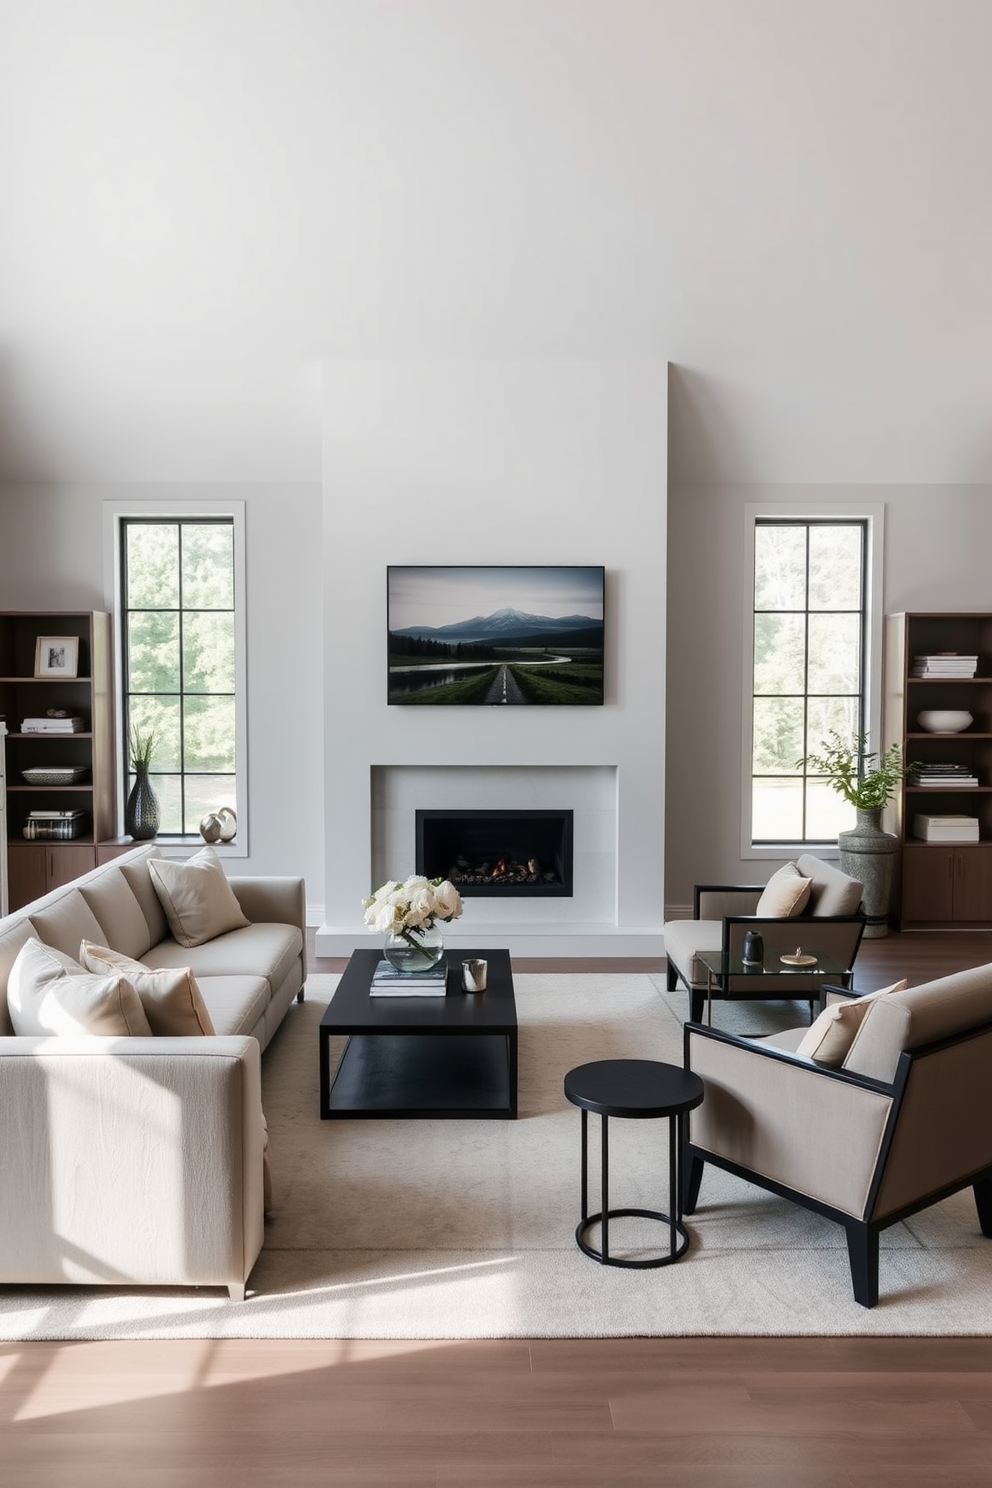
(488,637)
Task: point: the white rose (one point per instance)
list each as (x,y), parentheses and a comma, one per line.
(387,919)
(421,911)
(416,881)
(448,901)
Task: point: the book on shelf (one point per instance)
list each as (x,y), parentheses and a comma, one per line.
(55,815)
(948,664)
(52,726)
(971,784)
(946,828)
(56,831)
(388,982)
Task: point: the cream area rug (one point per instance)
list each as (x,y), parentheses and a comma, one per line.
(465,1229)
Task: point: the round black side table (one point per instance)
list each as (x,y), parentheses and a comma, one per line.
(639,1090)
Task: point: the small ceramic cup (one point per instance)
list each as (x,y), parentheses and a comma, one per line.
(474,975)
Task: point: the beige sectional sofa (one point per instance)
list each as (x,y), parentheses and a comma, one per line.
(139,1160)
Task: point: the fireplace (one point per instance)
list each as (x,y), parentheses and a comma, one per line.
(497,853)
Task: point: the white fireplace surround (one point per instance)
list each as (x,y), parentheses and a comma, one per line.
(501,462)
(589,791)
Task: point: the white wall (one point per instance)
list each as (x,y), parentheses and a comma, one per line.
(499,463)
(786,198)
(937,545)
(52,554)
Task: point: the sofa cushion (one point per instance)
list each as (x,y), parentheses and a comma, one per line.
(199,902)
(65,923)
(829,1038)
(171,999)
(785,894)
(121,917)
(139,881)
(259,950)
(831,892)
(687,939)
(236,1004)
(50,993)
(12,937)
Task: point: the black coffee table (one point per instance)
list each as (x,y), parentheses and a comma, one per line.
(451,1057)
(637,1089)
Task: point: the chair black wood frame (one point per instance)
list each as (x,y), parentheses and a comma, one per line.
(863,1228)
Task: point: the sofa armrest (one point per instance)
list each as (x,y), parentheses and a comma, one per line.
(815,1130)
(274,900)
(131,1160)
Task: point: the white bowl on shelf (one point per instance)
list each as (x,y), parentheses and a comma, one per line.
(944,720)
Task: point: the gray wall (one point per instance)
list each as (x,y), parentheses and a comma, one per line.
(937,545)
(53,554)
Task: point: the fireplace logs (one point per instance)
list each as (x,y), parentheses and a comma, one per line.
(497,852)
(504,870)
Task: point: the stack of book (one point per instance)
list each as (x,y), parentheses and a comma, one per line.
(55,826)
(942,776)
(946,828)
(388,982)
(944,664)
(48,725)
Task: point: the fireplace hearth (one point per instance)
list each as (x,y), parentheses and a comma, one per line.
(498,853)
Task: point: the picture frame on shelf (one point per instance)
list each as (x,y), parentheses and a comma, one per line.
(56,656)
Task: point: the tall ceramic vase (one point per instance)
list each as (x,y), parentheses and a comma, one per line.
(141,810)
(867,852)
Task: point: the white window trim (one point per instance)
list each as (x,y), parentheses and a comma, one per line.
(874,514)
(113,512)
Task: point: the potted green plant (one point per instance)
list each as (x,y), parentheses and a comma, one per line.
(141,810)
(868,780)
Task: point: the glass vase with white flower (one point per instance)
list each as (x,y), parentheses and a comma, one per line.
(407,914)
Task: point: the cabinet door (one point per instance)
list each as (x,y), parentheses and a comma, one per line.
(928,883)
(27,872)
(67,860)
(973,883)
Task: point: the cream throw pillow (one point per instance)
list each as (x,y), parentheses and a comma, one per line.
(828,1040)
(172,1001)
(199,902)
(785,895)
(49,993)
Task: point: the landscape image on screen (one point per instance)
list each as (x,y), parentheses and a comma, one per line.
(495,636)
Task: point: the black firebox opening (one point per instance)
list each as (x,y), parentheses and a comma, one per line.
(499,853)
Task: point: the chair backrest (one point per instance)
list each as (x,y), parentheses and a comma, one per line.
(831,892)
(918,1016)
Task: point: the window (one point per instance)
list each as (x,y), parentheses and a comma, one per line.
(181,639)
(809,670)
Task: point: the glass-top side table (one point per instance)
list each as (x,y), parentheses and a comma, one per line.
(721,966)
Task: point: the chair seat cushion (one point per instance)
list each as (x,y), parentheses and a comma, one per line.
(686,939)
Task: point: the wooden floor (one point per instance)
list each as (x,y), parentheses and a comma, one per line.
(705,1412)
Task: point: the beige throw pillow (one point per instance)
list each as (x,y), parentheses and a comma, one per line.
(172,1001)
(49,993)
(785,895)
(199,902)
(828,1040)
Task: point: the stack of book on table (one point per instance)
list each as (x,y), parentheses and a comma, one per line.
(48,725)
(388,982)
(944,664)
(940,777)
(55,826)
(946,828)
